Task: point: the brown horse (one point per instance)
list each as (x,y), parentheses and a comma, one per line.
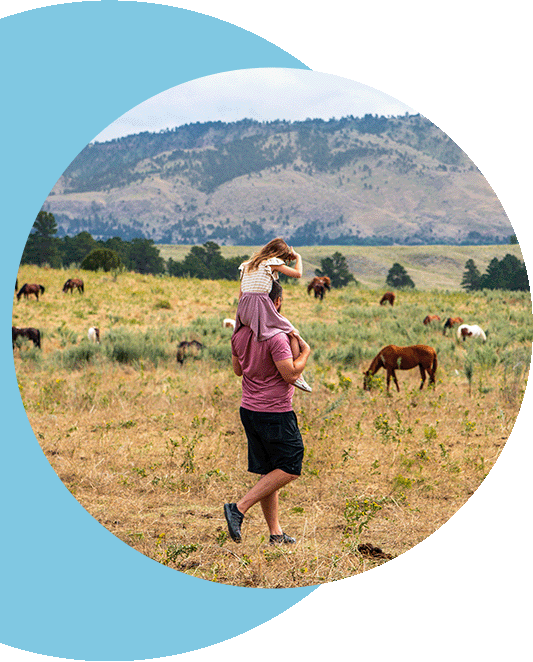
(428,319)
(319,284)
(73,283)
(450,323)
(394,358)
(32,334)
(30,288)
(388,297)
(185,348)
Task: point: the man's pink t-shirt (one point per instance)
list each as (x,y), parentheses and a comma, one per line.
(263,387)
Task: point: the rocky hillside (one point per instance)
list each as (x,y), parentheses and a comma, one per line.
(353,181)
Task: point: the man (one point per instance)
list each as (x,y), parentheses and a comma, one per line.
(275,446)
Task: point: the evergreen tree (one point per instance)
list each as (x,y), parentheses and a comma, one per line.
(493,278)
(42,246)
(74,249)
(398,277)
(102,258)
(145,257)
(206,262)
(336,267)
(471,277)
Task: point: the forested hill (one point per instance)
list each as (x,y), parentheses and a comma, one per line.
(352,181)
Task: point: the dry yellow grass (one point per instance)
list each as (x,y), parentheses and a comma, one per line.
(152,451)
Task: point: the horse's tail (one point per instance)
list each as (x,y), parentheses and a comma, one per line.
(38,338)
(42,289)
(82,287)
(435,363)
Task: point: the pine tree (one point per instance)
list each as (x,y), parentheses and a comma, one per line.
(471,277)
(336,267)
(398,277)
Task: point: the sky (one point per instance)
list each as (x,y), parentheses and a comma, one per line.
(259,94)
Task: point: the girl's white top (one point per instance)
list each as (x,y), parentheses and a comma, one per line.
(259,280)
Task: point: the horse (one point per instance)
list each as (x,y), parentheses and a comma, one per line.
(388,297)
(319,284)
(394,358)
(32,334)
(471,331)
(186,348)
(30,288)
(94,334)
(450,323)
(73,283)
(428,319)
(228,323)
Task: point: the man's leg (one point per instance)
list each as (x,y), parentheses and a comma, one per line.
(264,491)
(265,488)
(269,505)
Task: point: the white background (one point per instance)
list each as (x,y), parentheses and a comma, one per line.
(464,593)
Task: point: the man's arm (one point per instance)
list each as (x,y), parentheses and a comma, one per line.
(236,366)
(291,369)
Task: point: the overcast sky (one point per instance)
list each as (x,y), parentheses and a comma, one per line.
(260,94)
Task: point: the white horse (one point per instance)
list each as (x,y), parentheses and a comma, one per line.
(470,331)
(94,334)
(228,323)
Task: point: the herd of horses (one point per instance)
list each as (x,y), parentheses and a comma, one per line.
(35,288)
(390,358)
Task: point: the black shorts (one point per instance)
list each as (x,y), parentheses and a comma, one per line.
(274,441)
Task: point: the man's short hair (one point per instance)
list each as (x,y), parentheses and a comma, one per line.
(276,292)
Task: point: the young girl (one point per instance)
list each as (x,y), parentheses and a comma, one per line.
(256,309)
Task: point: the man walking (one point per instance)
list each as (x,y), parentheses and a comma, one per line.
(275,446)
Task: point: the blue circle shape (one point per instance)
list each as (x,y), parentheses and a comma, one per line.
(69,587)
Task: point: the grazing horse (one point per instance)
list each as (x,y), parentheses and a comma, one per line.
(94,334)
(470,331)
(228,323)
(431,318)
(32,334)
(30,288)
(450,323)
(394,358)
(73,283)
(388,297)
(319,284)
(185,348)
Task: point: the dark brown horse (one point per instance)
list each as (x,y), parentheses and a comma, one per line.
(450,323)
(428,319)
(388,297)
(186,348)
(319,284)
(73,283)
(32,334)
(394,358)
(30,288)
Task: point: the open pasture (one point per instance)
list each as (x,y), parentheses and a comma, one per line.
(152,449)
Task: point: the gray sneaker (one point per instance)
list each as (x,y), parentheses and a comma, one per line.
(302,384)
(234,518)
(283,538)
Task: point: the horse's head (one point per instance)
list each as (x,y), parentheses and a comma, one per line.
(367,380)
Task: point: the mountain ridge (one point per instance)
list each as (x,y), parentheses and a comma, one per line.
(353,181)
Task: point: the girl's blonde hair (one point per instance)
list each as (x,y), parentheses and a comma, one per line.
(276,248)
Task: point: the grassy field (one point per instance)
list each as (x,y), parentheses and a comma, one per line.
(430,267)
(152,449)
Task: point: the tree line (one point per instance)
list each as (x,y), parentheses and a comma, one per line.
(509,273)
(207,261)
